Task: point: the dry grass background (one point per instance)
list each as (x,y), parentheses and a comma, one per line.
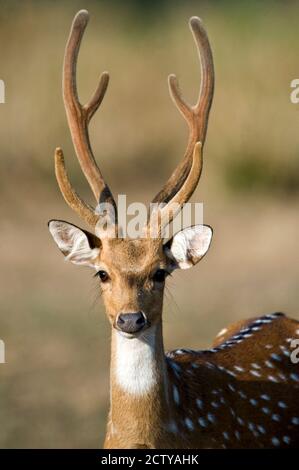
(54,386)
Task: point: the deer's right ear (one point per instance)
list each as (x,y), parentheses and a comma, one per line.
(77,245)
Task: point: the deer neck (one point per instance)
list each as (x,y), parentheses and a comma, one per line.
(139,387)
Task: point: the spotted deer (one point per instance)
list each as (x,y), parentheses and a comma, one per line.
(241,393)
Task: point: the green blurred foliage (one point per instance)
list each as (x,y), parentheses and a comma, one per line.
(249,173)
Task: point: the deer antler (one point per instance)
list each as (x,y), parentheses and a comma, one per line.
(78,117)
(173,207)
(184,179)
(196,117)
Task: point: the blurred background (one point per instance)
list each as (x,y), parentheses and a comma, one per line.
(54,388)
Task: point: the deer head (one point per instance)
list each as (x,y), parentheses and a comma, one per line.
(132,272)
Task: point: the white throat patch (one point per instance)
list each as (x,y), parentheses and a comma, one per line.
(135,362)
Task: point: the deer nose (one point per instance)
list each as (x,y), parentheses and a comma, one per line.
(131,322)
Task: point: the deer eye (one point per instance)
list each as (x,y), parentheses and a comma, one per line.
(103,275)
(160,275)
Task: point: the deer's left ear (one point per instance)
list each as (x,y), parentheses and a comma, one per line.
(188,246)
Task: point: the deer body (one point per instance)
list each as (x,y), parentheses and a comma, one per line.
(241,393)
(234,395)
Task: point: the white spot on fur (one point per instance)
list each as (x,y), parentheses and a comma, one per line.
(211,417)
(275,357)
(255,366)
(282,376)
(255,373)
(266,410)
(199,403)
(269,364)
(202,422)
(176,395)
(189,424)
(282,404)
(275,441)
(172,427)
(294,377)
(222,332)
(261,429)
(176,368)
(215,404)
(265,397)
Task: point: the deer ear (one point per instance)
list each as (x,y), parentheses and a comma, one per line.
(77,245)
(189,246)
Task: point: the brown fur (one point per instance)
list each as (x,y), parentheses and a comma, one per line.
(131,265)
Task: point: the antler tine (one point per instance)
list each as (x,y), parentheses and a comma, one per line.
(79,115)
(197,115)
(173,207)
(92,106)
(83,209)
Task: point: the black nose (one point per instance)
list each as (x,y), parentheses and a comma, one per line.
(131,322)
